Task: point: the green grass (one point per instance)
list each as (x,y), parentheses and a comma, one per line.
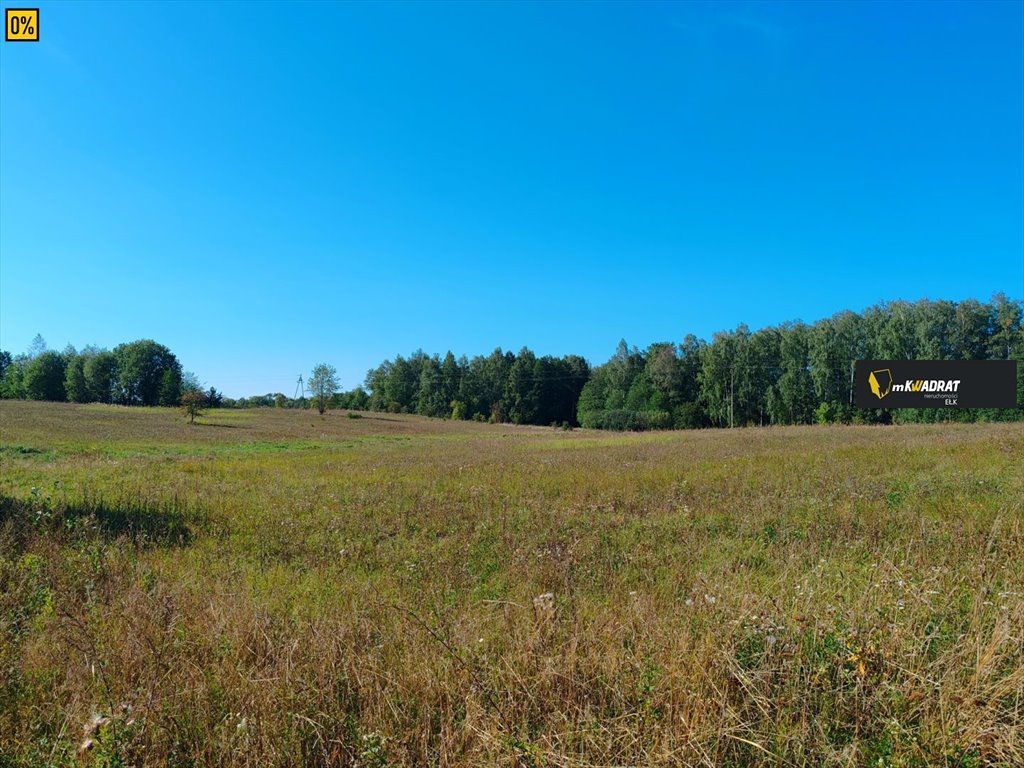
(275,588)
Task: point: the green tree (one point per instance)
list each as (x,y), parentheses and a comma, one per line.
(100,372)
(795,386)
(357,400)
(725,377)
(520,396)
(590,406)
(764,375)
(214,399)
(834,346)
(171,387)
(192,403)
(451,378)
(971,330)
(430,400)
(401,386)
(322,385)
(376,383)
(12,384)
(75,385)
(147,374)
(664,372)
(1007,327)
(44,377)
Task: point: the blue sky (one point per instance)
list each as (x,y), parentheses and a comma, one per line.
(264,186)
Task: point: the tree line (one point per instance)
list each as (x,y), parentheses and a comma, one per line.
(502,387)
(793,373)
(140,372)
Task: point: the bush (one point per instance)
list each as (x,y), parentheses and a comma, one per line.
(823,413)
(657,419)
(624,420)
(689,416)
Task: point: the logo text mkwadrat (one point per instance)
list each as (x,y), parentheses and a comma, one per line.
(928,385)
(881,384)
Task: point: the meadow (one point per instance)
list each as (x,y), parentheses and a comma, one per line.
(274,588)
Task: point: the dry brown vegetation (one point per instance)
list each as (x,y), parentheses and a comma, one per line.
(276,588)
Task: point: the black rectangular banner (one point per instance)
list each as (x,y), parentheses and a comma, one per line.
(935,384)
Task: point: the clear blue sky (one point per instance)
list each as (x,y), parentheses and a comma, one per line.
(264,186)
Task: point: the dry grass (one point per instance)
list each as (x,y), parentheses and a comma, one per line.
(273,588)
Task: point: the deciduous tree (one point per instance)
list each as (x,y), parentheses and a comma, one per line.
(192,403)
(323,383)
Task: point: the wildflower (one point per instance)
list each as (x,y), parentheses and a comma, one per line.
(90,730)
(544,606)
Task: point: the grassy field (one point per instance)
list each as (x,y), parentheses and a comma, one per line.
(277,588)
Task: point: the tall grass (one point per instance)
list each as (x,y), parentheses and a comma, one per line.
(290,590)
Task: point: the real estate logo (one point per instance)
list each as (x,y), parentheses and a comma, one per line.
(880,382)
(935,384)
